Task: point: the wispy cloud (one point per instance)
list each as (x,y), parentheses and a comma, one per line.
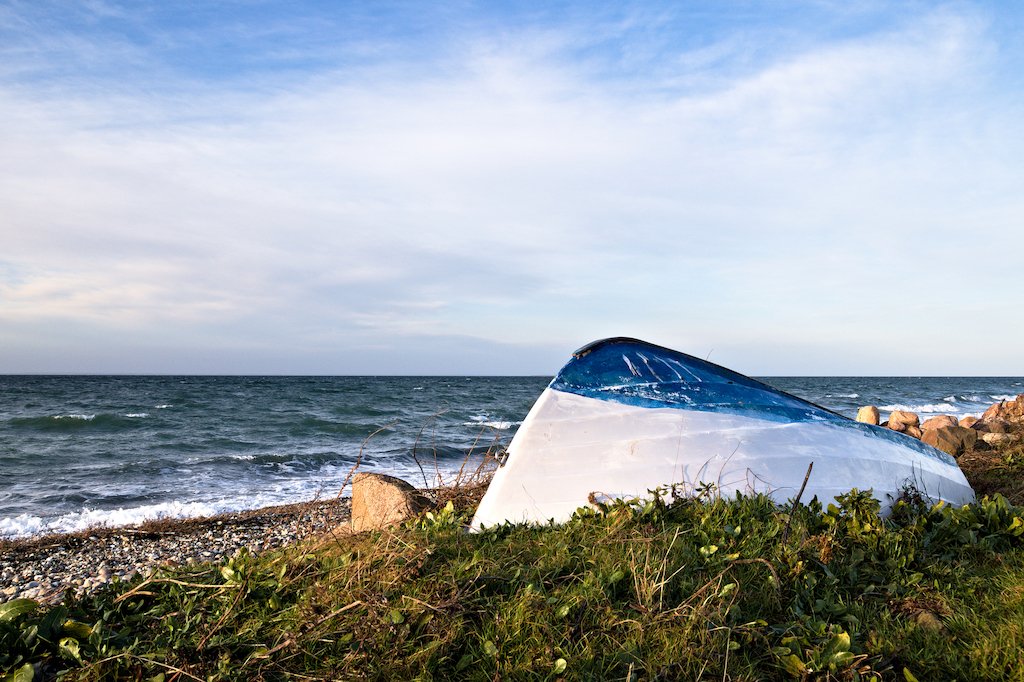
(527,185)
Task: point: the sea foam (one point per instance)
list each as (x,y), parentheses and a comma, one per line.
(483,420)
(927,409)
(27,524)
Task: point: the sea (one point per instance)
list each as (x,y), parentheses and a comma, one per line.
(84,451)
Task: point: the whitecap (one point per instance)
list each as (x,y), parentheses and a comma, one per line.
(27,524)
(82,417)
(843,395)
(137,415)
(161,407)
(937,407)
(1003,397)
(499,425)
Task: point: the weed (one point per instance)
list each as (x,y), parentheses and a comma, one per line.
(671,587)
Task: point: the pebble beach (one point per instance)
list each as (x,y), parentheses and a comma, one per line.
(46,568)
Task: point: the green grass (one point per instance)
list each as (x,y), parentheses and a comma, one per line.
(674,588)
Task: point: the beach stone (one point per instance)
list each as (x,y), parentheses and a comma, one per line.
(968,421)
(954,440)
(913,432)
(868,415)
(999,438)
(899,420)
(992,426)
(379,501)
(928,620)
(939,422)
(1007,410)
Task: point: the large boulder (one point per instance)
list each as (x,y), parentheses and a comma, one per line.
(899,420)
(992,426)
(939,422)
(379,501)
(955,440)
(969,421)
(1007,410)
(868,415)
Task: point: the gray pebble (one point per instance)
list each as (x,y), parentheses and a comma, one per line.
(50,568)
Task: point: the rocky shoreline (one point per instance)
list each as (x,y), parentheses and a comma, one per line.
(1000,424)
(45,568)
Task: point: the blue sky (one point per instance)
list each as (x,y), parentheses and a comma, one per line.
(445,188)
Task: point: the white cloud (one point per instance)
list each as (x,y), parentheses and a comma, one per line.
(522,197)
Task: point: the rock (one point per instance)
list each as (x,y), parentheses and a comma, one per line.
(969,421)
(868,415)
(899,420)
(940,421)
(379,501)
(1007,410)
(928,620)
(913,432)
(992,426)
(998,438)
(955,440)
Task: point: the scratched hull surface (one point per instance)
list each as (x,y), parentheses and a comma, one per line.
(624,417)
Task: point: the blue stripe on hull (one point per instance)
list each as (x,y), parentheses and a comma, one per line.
(633,372)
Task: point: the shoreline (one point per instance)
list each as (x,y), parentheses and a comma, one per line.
(46,567)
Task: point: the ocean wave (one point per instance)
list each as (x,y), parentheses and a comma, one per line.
(963,398)
(137,415)
(485,420)
(75,421)
(162,407)
(498,425)
(306,461)
(27,524)
(842,395)
(927,409)
(447,453)
(316,425)
(1003,397)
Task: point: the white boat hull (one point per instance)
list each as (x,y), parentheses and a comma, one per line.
(571,448)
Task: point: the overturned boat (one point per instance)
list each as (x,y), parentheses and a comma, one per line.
(624,417)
